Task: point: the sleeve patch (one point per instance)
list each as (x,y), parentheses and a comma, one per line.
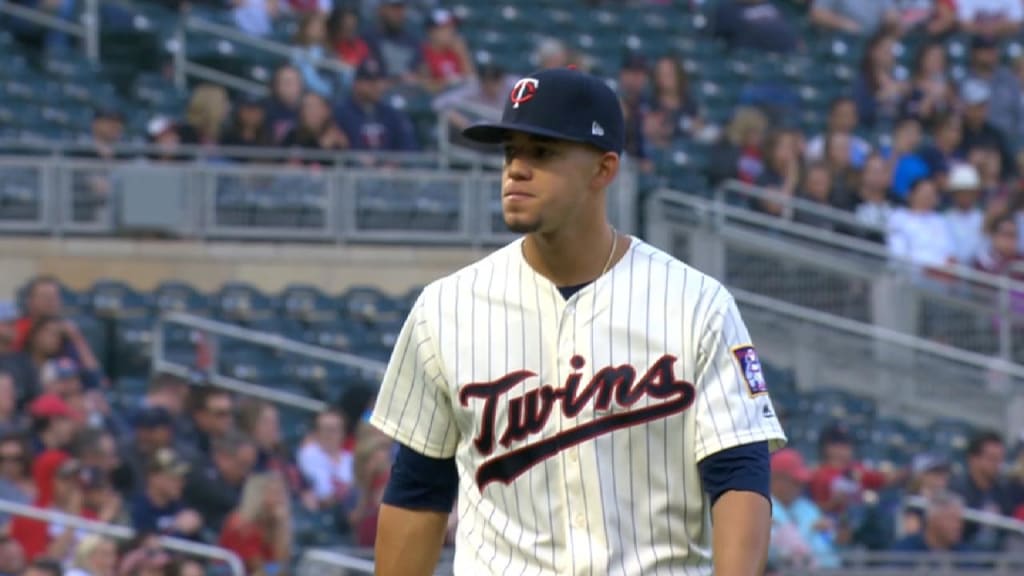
(750,368)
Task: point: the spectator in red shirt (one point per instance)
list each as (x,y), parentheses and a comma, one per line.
(57,478)
(259,530)
(343,31)
(840,480)
(446,59)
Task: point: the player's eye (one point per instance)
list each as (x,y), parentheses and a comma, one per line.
(541,153)
(510,153)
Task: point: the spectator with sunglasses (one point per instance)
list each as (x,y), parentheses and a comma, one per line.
(213,416)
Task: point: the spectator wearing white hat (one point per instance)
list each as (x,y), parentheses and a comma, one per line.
(964,217)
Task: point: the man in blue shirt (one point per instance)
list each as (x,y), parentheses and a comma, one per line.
(159,508)
(801,534)
(368,121)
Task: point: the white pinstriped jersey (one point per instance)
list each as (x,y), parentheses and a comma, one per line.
(577,424)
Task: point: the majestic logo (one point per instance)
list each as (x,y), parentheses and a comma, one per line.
(528,414)
(523,91)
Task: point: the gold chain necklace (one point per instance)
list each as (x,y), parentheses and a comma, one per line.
(611,255)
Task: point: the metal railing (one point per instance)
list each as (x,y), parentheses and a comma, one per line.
(841,275)
(117,532)
(342,201)
(87,29)
(215,334)
(191,26)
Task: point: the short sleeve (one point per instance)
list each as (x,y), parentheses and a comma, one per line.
(732,406)
(413,405)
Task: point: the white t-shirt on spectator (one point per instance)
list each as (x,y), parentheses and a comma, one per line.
(975,10)
(874,214)
(860,149)
(922,239)
(253,17)
(965,229)
(329,477)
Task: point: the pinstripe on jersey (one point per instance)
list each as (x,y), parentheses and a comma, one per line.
(577,424)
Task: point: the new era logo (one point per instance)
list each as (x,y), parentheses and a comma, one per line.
(597,130)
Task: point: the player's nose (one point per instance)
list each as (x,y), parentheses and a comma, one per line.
(517,169)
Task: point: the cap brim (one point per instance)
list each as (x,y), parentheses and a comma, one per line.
(497,132)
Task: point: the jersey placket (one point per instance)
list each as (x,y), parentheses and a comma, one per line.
(579,468)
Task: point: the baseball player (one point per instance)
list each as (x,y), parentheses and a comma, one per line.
(595,406)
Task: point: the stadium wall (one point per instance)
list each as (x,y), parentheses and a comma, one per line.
(269,266)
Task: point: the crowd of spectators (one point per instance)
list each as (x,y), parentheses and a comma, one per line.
(182,459)
(843,504)
(926,161)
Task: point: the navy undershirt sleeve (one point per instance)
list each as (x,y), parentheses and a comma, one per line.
(745,468)
(420,482)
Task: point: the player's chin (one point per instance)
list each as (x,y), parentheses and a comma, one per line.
(521,223)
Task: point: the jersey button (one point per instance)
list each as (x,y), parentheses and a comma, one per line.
(573,457)
(580,521)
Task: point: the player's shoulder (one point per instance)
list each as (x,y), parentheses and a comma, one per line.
(688,284)
(464,277)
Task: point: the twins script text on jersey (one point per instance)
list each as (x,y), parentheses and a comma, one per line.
(528,414)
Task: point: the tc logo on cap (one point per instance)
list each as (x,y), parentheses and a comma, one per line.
(524,91)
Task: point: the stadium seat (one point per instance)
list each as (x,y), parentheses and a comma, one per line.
(308,304)
(133,338)
(239,301)
(950,436)
(368,304)
(257,368)
(116,299)
(172,296)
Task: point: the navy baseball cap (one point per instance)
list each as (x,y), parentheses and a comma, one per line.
(559,103)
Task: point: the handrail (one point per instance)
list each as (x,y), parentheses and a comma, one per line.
(191,151)
(88,33)
(245,388)
(340,560)
(974,515)
(216,76)
(836,215)
(275,341)
(876,332)
(123,533)
(201,25)
(848,243)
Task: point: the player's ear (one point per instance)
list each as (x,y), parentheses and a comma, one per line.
(605,170)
